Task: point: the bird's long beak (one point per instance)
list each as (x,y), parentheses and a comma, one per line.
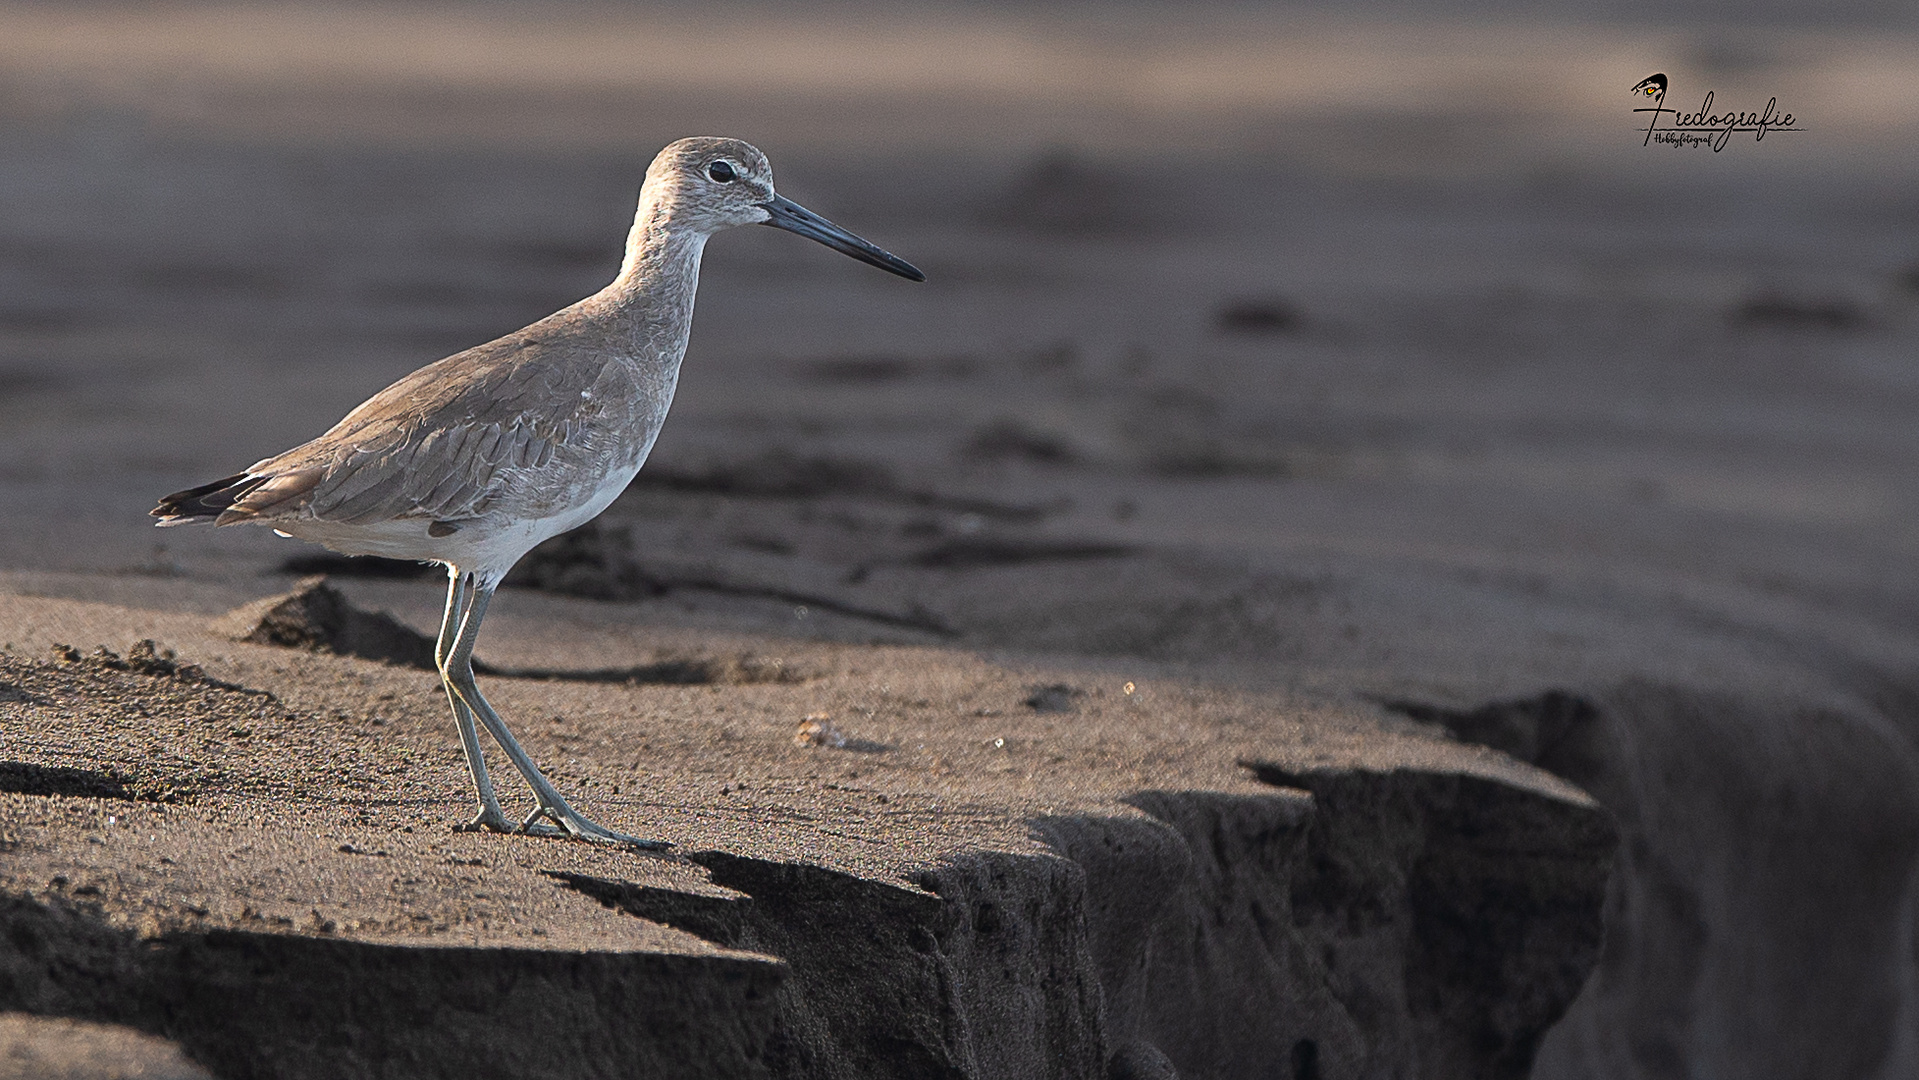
(784,213)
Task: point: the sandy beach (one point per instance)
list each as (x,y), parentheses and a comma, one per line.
(1292,396)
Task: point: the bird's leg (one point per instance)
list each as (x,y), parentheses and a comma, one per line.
(459,597)
(552,806)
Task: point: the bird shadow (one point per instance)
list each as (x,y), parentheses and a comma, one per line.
(24,778)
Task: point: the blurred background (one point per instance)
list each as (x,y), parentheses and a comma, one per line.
(1354,346)
(1401,243)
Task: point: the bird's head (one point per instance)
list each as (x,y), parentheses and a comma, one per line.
(711,184)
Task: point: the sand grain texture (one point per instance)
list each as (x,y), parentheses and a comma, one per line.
(983,888)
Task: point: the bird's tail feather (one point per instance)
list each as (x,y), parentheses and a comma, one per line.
(206,502)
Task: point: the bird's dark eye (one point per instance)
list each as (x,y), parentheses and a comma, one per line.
(721,172)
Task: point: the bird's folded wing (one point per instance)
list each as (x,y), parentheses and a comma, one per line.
(455,440)
(445,473)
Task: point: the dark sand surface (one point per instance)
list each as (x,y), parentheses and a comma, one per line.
(1338,411)
(946,752)
(187,816)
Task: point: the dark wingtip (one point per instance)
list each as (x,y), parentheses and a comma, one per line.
(206,502)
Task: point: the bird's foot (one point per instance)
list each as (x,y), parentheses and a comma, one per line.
(568,822)
(490,819)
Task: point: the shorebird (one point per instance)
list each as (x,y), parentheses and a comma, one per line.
(473,460)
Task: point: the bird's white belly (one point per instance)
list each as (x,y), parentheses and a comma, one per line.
(487,546)
(495,547)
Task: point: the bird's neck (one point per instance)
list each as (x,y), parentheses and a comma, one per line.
(653,296)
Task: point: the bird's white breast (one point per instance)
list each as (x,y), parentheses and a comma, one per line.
(493,547)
